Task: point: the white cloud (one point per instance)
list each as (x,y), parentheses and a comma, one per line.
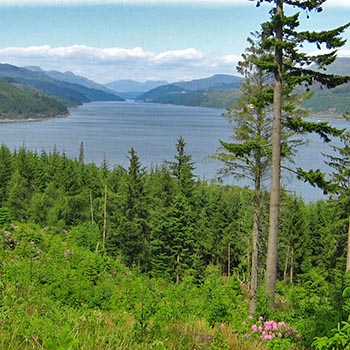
(329,3)
(106,64)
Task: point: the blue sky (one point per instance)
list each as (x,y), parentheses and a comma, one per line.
(137,39)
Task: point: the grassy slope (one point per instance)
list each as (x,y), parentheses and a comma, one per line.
(57,294)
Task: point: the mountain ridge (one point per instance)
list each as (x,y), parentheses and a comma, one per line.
(69,93)
(217,91)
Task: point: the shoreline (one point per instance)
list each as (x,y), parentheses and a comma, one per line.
(320,116)
(33,119)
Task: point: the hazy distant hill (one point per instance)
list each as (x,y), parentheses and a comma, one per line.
(219,91)
(71,94)
(333,101)
(215,82)
(72,78)
(131,88)
(18,101)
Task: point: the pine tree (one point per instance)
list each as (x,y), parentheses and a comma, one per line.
(339,185)
(290,66)
(133,230)
(6,169)
(249,156)
(182,169)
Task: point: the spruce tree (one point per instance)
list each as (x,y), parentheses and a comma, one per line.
(6,169)
(290,67)
(249,155)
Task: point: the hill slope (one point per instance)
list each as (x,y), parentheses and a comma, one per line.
(334,101)
(131,88)
(219,91)
(71,94)
(17,101)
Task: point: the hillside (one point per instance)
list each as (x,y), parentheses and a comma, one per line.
(69,93)
(72,78)
(131,88)
(334,101)
(221,91)
(218,91)
(175,279)
(17,101)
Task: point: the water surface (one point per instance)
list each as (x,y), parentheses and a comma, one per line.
(110,129)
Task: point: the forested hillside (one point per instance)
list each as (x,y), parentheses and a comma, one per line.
(222,91)
(218,91)
(71,94)
(17,101)
(97,257)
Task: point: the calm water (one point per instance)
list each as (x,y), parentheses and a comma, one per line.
(110,129)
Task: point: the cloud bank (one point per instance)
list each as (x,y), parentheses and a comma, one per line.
(329,3)
(107,64)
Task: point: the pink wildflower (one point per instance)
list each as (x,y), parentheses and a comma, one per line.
(267,336)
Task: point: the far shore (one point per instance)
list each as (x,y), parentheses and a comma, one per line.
(320,116)
(33,119)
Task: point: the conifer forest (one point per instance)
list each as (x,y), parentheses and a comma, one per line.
(106,257)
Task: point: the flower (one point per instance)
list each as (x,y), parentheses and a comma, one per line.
(270,329)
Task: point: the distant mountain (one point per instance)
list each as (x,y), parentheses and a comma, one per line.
(131,88)
(215,82)
(19,101)
(69,93)
(329,102)
(341,66)
(219,91)
(72,78)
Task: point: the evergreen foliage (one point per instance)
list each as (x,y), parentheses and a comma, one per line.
(16,101)
(186,248)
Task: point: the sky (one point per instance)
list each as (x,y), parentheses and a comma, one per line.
(142,40)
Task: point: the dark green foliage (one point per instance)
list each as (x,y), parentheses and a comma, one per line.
(20,102)
(6,169)
(5,216)
(166,224)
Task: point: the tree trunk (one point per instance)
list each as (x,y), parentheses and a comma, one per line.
(348,251)
(271,263)
(104,234)
(91,208)
(291,273)
(286,265)
(255,254)
(178,269)
(229,259)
